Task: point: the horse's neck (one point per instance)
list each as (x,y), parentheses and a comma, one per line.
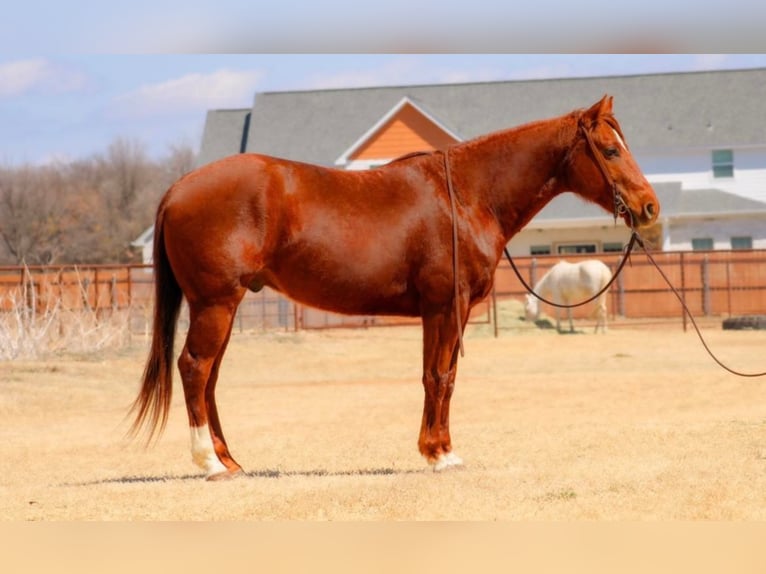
(515,172)
(543,287)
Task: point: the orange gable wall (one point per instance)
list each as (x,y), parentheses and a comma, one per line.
(406,132)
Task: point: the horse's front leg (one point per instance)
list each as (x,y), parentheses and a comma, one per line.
(440,347)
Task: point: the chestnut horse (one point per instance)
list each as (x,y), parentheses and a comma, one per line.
(364,242)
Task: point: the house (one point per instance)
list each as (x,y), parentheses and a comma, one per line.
(699,137)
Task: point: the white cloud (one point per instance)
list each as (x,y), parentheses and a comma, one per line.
(191,93)
(22,77)
(407,70)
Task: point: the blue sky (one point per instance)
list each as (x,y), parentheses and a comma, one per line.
(70,106)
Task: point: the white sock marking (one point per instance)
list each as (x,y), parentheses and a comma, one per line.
(203,453)
(447,460)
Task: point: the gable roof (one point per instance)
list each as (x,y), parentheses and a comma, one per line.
(405,101)
(225,134)
(656,111)
(685,203)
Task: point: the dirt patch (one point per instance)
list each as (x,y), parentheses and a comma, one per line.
(634,424)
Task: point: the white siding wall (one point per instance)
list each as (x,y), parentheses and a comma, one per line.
(694,169)
(679,236)
(609,233)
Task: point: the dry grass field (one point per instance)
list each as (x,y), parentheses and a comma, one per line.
(637,424)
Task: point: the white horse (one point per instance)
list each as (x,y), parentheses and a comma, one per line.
(567,283)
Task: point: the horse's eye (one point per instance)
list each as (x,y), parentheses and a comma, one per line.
(611,152)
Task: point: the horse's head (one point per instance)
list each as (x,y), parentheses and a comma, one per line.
(602,169)
(531,308)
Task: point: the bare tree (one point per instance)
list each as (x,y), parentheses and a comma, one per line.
(33,214)
(180,161)
(85,211)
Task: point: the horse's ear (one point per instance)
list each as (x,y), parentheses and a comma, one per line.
(600,108)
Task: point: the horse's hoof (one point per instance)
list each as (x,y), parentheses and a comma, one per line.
(225,475)
(448,460)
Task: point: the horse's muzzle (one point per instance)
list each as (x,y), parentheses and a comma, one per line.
(649,213)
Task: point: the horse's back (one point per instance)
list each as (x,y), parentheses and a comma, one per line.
(572,281)
(353,242)
(596,272)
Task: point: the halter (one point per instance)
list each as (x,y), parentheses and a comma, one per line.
(620,207)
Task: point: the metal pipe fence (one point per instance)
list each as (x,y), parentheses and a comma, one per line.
(714,284)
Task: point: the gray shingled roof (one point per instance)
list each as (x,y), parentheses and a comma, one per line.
(656,111)
(225,134)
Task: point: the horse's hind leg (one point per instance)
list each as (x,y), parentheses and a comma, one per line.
(601,316)
(200,359)
(216,432)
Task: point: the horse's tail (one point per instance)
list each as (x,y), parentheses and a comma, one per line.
(153,401)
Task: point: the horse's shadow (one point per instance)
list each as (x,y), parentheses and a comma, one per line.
(264,473)
(544,324)
(548,324)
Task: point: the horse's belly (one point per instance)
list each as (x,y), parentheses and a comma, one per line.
(349,294)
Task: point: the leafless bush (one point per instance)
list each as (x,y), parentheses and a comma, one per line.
(34,326)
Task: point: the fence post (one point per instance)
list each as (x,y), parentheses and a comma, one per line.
(85,295)
(96,298)
(130,286)
(728,287)
(264,321)
(621,295)
(683,289)
(705,269)
(30,297)
(113,295)
(494,309)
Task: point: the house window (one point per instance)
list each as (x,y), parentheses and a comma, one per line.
(540,250)
(576,248)
(702,243)
(741,242)
(723,163)
(613,247)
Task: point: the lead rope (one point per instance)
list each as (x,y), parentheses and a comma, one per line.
(619,208)
(691,317)
(633,240)
(453,208)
